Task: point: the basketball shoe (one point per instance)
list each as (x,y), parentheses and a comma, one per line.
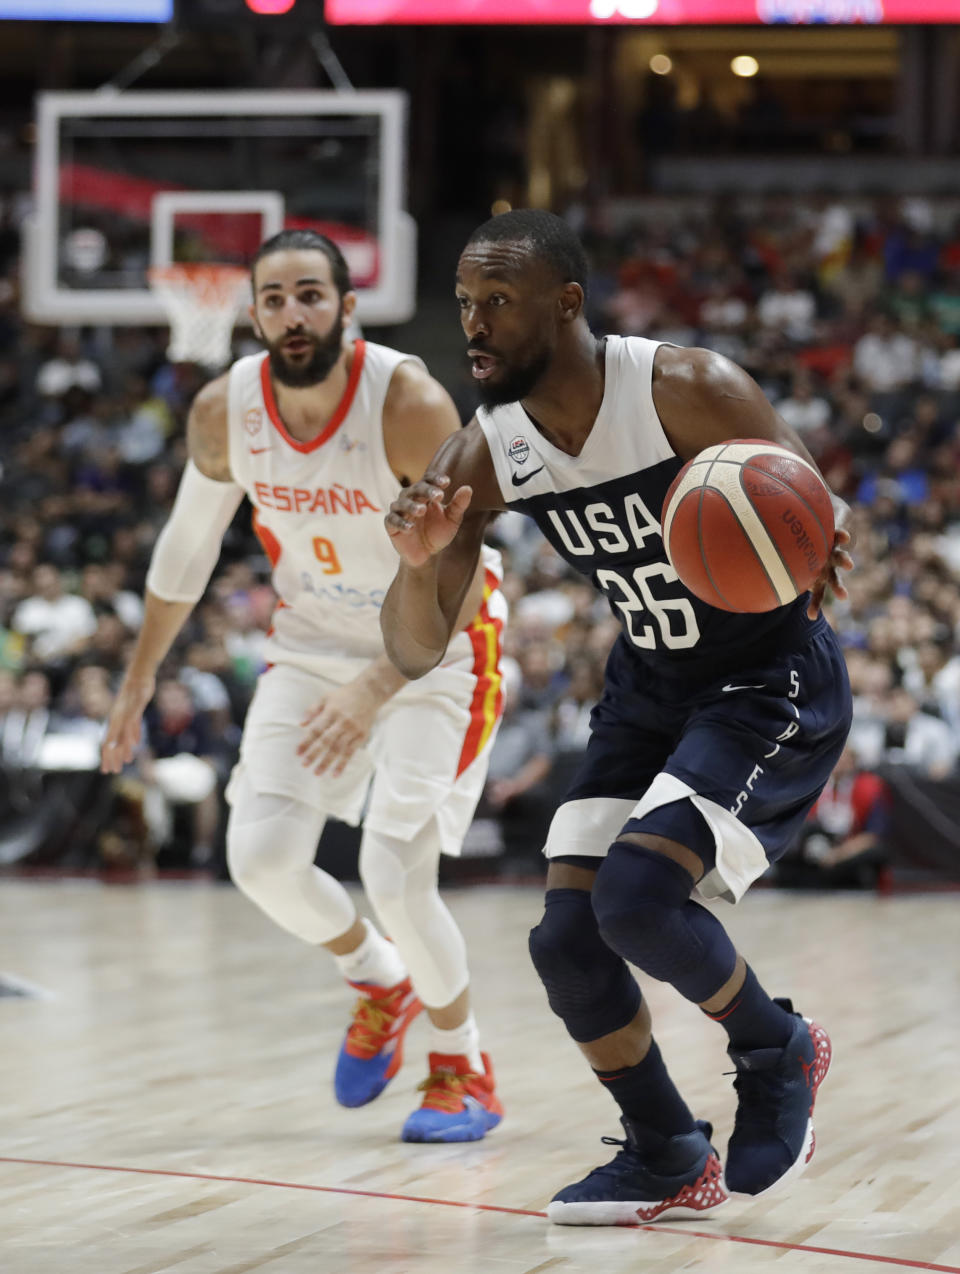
(458,1104)
(649,1179)
(772,1139)
(372,1050)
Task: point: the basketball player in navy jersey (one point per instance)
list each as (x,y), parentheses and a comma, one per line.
(713,738)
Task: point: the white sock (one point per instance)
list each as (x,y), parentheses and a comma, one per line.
(375,962)
(461,1041)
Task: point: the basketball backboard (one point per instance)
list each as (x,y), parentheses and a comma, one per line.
(127,181)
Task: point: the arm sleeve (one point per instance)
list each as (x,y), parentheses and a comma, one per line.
(188,546)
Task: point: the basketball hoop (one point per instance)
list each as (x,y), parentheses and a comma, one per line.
(202,301)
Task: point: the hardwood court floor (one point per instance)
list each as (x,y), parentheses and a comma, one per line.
(169,1108)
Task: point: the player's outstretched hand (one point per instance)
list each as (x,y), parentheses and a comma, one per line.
(336,726)
(123,725)
(420,524)
(839,560)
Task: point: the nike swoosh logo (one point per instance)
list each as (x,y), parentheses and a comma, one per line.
(727,689)
(256,451)
(519,479)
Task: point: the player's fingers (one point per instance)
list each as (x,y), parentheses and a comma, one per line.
(329,744)
(422,492)
(459,504)
(119,746)
(843,560)
(327,722)
(404,513)
(109,757)
(313,713)
(838,587)
(344,754)
(343,745)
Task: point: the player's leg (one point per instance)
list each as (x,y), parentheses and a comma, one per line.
(421,803)
(645,911)
(278,809)
(748,780)
(666,1167)
(400,878)
(271,845)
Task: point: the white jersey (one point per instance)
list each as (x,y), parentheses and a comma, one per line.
(319,508)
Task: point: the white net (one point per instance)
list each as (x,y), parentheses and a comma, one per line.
(202,302)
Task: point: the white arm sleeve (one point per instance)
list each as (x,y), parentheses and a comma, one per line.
(188,546)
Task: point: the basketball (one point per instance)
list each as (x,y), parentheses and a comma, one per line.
(747,525)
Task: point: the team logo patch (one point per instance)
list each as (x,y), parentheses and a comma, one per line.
(519,450)
(253,420)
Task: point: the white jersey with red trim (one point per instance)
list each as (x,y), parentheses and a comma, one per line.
(318,511)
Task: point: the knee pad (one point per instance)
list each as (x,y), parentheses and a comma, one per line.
(391,869)
(644,912)
(271,845)
(588,986)
(270,836)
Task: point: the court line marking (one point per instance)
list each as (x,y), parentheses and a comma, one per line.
(683,1232)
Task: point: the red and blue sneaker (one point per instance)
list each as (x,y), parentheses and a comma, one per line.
(651,1178)
(772,1139)
(458,1104)
(372,1051)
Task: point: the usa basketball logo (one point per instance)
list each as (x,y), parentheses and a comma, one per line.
(518,450)
(253,420)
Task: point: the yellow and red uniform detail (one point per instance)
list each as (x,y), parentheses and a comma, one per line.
(485,636)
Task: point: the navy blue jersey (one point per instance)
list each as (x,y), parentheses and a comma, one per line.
(601,511)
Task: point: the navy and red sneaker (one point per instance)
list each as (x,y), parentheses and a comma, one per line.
(772,1139)
(372,1050)
(458,1104)
(651,1178)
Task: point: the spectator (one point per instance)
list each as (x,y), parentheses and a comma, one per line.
(56,622)
(944,303)
(68,369)
(906,735)
(804,410)
(521,757)
(571,712)
(179,765)
(885,358)
(845,841)
(788,308)
(933,677)
(25,722)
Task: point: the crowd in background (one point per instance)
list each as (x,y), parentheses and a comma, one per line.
(848,315)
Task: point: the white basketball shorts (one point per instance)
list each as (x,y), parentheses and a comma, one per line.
(426,756)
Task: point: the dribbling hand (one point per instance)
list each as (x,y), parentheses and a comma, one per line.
(829,577)
(419,524)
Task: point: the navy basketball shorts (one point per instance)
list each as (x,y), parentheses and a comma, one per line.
(750,751)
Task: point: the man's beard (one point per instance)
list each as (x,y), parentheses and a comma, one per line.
(326,351)
(515,383)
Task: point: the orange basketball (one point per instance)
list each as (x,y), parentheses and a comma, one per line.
(748,525)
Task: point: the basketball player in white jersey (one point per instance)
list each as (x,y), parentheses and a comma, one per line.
(320,433)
